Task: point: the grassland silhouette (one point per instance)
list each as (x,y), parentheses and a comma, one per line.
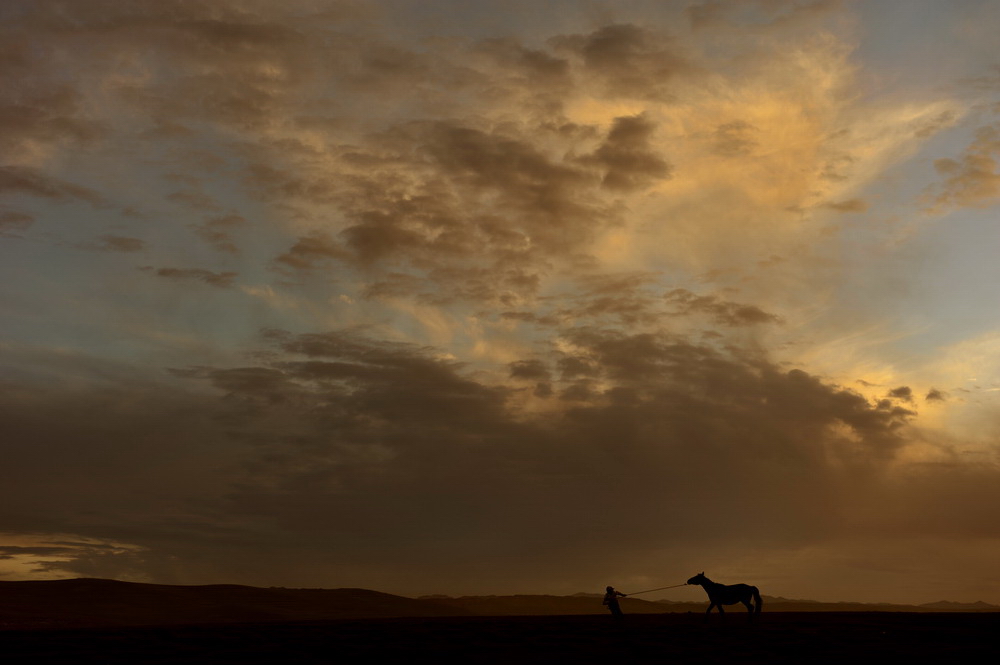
(109,622)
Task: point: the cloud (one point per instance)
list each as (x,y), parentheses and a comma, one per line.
(310,251)
(31,182)
(721,312)
(534,67)
(627,156)
(10,551)
(628,60)
(39,111)
(942,121)
(12,222)
(421,198)
(715,14)
(529,369)
(368,452)
(935,395)
(904,393)
(663,406)
(973,179)
(734,139)
(217,231)
(115,243)
(229,66)
(849,206)
(574,280)
(220,279)
(705,14)
(194,200)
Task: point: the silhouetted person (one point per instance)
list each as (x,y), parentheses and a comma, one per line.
(611,600)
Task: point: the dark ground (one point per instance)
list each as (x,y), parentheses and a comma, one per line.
(782,637)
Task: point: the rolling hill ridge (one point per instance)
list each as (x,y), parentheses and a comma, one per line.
(88,602)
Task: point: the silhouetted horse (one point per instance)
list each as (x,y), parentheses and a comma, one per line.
(728,594)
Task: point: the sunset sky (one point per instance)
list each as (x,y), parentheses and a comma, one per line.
(459,297)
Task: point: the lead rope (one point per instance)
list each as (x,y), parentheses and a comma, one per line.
(636,593)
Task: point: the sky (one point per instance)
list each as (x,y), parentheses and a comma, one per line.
(508,297)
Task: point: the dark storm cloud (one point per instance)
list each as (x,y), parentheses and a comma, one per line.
(350,453)
(105,457)
(389,425)
(408,433)
(472,181)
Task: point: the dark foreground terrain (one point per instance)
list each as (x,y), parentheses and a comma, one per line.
(781,637)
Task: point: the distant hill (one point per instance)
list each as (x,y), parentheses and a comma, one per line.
(949,606)
(97,602)
(584,603)
(779,604)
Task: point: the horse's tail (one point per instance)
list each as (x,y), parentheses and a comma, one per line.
(757,602)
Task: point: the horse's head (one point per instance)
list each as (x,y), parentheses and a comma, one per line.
(698,579)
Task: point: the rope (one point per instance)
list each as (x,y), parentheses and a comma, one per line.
(636,593)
